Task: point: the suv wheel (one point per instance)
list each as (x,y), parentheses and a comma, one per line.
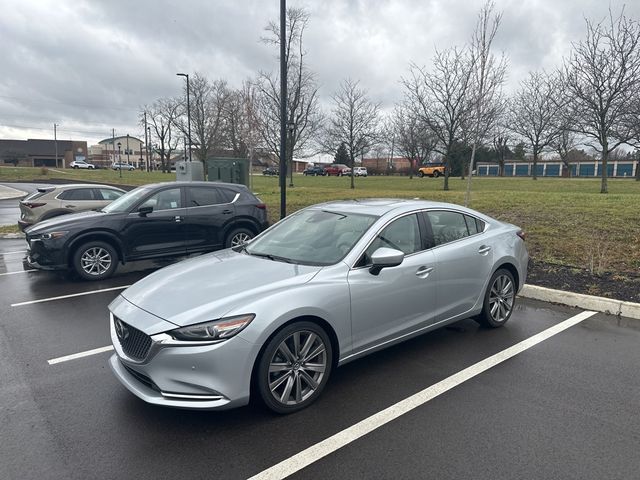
(237,237)
(95,260)
(420,174)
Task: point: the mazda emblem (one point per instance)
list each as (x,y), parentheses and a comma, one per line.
(121,330)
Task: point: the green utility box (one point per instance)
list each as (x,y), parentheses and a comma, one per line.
(231,170)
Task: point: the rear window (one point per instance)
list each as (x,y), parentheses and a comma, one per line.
(77,194)
(38,193)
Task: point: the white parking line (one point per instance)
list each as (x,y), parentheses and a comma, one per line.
(21,271)
(314,453)
(88,353)
(62,297)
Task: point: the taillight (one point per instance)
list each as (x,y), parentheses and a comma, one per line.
(261,206)
(34,204)
(522,235)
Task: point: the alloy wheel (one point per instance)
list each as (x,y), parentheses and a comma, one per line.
(95,261)
(240,239)
(501,298)
(297,367)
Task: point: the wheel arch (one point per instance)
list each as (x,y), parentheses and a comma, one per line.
(101,236)
(322,323)
(509,266)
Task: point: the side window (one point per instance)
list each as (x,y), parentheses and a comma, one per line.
(77,194)
(447,226)
(201,196)
(402,234)
(108,194)
(164,200)
(472,226)
(226,195)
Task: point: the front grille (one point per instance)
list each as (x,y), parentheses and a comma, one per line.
(134,343)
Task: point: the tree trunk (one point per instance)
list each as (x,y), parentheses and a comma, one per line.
(353,164)
(411,162)
(604,188)
(638,170)
(535,165)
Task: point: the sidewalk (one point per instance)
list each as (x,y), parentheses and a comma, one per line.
(7,193)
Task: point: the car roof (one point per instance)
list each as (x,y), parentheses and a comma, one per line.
(381,206)
(182,183)
(79,185)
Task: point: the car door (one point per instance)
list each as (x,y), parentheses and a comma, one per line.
(464,261)
(161,232)
(209,210)
(398,300)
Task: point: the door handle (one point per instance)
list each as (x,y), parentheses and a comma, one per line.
(484,249)
(177,218)
(227,212)
(69,206)
(423,272)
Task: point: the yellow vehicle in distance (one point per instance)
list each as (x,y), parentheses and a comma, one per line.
(431,170)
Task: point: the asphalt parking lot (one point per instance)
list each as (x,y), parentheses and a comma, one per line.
(567,407)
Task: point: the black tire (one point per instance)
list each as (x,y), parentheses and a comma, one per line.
(436,173)
(294,387)
(420,174)
(499,300)
(75,167)
(91,168)
(95,260)
(237,237)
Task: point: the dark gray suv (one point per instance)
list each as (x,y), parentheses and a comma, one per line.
(158,220)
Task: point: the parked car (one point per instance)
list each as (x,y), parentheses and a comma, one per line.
(324,286)
(431,170)
(337,169)
(360,172)
(152,221)
(53,201)
(82,164)
(271,171)
(314,171)
(122,166)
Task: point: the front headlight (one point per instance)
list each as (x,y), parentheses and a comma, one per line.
(53,235)
(215,330)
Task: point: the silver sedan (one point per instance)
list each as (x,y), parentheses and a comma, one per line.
(325,286)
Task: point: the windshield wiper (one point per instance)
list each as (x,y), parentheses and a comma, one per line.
(275,258)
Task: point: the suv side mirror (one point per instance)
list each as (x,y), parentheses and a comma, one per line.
(385,257)
(144,211)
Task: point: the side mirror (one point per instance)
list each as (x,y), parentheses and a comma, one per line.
(385,257)
(144,211)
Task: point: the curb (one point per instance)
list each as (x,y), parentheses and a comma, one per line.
(11,235)
(589,302)
(8,193)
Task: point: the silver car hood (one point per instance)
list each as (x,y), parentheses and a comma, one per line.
(207,287)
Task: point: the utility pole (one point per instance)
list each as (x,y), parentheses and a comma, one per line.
(55,141)
(128,151)
(149,150)
(283,110)
(113,144)
(186,75)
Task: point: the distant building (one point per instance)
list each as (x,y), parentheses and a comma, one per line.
(589,168)
(41,153)
(123,149)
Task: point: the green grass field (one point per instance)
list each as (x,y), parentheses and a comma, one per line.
(567,220)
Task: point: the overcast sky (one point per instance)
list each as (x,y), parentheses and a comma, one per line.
(89,65)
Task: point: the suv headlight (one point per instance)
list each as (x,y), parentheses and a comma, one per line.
(53,235)
(214,330)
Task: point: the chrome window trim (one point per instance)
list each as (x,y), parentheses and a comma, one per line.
(237,196)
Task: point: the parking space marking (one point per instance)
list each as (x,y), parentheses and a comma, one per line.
(74,356)
(62,297)
(314,453)
(21,271)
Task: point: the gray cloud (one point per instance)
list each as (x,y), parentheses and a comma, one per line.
(90,65)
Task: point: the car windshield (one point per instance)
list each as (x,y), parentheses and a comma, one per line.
(126,201)
(312,237)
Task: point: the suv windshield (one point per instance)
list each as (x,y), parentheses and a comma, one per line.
(312,237)
(127,201)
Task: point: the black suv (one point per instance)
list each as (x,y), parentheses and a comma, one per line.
(159,220)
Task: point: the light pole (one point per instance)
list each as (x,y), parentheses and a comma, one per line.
(283,110)
(186,75)
(55,141)
(149,151)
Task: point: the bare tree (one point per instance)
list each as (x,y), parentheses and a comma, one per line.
(412,138)
(303,111)
(603,78)
(500,140)
(441,99)
(162,116)
(563,144)
(534,112)
(354,122)
(488,77)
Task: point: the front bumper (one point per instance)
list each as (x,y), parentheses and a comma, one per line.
(44,257)
(206,377)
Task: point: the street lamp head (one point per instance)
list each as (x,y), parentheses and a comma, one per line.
(186,75)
